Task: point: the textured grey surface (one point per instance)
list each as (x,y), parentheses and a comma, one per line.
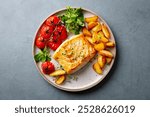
(129,21)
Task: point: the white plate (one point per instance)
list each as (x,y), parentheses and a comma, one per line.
(87,77)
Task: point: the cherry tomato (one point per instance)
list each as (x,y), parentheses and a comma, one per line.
(59,28)
(47,67)
(56,36)
(53,45)
(46,31)
(40,43)
(53,33)
(52,20)
(63,33)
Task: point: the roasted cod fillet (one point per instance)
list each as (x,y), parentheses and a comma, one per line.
(74,53)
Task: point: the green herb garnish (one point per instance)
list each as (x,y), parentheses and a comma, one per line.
(73,19)
(43,55)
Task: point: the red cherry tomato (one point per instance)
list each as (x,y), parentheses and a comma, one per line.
(40,43)
(59,28)
(56,36)
(53,33)
(46,31)
(62,32)
(53,45)
(52,20)
(63,35)
(47,67)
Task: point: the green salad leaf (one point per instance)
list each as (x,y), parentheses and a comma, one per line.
(42,55)
(73,19)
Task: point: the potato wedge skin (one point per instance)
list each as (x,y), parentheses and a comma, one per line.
(108,60)
(101,61)
(60,79)
(106,53)
(100,46)
(89,39)
(103,39)
(95,37)
(91,19)
(101,34)
(97,68)
(90,25)
(110,44)
(105,31)
(97,28)
(58,73)
(86,32)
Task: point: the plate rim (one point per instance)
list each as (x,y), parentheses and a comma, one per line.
(86,87)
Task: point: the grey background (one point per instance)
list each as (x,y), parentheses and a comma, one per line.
(129,21)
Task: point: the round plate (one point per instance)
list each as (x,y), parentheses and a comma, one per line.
(86,77)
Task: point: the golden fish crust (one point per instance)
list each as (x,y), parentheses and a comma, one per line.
(74,53)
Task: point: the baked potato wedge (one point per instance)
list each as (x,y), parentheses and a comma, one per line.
(89,39)
(100,46)
(97,68)
(101,61)
(60,80)
(106,53)
(108,60)
(86,32)
(105,31)
(95,37)
(58,73)
(91,19)
(110,44)
(104,39)
(101,33)
(97,28)
(90,25)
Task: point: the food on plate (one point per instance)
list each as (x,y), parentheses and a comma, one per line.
(95,37)
(91,19)
(42,55)
(74,53)
(58,73)
(62,31)
(97,28)
(110,44)
(51,34)
(105,31)
(108,60)
(47,67)
(100,41)
(60,80)
(73,19)
(52,21)
(58,36)
(40,42)
(99,46)
(101,61)
(46,31)
(88,37)
(106,53)
(97,68)
(101,34)
(104,39)
(54,44)
(90,25)
(86,32)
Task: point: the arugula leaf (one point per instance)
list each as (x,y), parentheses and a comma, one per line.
(73,20)
(42,55)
